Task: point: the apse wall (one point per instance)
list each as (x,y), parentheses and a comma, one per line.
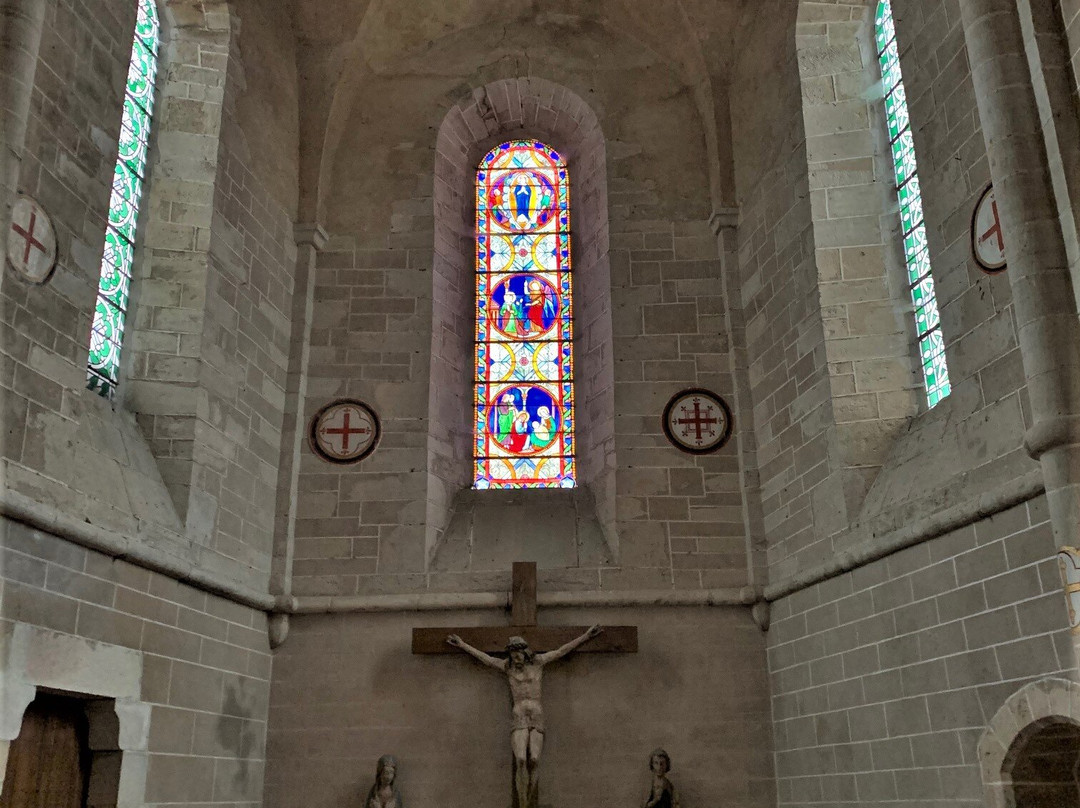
(696,687)
(898,633)
(678,520)
(176,474)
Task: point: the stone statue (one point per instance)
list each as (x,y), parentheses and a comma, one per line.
(523,671)
(384,793)
(662,793)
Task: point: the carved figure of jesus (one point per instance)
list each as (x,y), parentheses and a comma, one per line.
(523,671)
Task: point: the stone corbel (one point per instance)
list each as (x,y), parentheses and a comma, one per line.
(724,219)
(310,234)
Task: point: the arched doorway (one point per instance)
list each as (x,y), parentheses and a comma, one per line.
(1042,766)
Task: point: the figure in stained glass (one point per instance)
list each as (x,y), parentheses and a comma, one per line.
(524,333)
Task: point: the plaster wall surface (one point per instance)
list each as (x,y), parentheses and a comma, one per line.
(347,690)
(884,679)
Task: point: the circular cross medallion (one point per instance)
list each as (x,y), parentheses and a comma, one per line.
(987,238)
(697,421)
(344,431)
(31,247)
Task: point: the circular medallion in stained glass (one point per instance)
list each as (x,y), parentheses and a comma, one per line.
(344,431)
(524,307)
(522,200)
(697,421)
(524,419)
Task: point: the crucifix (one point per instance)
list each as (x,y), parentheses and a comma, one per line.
(528,648)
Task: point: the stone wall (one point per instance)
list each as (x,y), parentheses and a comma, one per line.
(778,279)
(883,679)
(842,452)
(696,687)
(668,519)
(205,661)
(181,465)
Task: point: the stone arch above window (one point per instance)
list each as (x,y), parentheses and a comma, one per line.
(1032,739)
(525,108)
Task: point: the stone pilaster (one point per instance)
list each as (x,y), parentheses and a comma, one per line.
(20,37)
(310,239)
(1043,295)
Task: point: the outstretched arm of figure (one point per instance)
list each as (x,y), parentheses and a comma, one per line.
(570,647)
(476,653)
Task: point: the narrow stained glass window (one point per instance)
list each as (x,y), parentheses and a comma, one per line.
(129,176)
(916,253)
(524,405)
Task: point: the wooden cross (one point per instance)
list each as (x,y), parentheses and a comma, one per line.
(493,639)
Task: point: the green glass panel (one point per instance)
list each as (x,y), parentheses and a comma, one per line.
(114,287)
(911,214)
(115,283)
(147,25)
(927,318)
(133,133)
(897,110)
(885,29)
(903,149)
(141,75)
(124,202)
(922,292)
(909,195)
(914,243)
(918,266)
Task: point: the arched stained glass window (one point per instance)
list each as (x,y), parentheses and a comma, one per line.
(129,176)
(916,252)
(524,405)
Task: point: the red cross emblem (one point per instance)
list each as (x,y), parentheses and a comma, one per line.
(31,248)
(701,422)
(988,238)
(697,421)
(344,431)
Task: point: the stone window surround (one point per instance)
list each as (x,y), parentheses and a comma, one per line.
(33,658)
(505,110)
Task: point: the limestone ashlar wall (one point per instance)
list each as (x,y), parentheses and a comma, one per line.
(185,457)
(679,520)
(844,448)
(972,442)
(62,444)
(205,661)
(778,282)
(696,687)
(883,679)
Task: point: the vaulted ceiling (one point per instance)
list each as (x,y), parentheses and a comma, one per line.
(355,56)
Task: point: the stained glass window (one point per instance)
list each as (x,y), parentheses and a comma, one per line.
(916,253)
(524,404)
(129,176)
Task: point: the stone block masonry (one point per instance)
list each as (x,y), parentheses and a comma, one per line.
(884,678)
(205,661)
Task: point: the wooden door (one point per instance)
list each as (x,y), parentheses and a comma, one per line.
(48,764)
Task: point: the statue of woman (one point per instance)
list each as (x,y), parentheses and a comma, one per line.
(662,794)
(384,793)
